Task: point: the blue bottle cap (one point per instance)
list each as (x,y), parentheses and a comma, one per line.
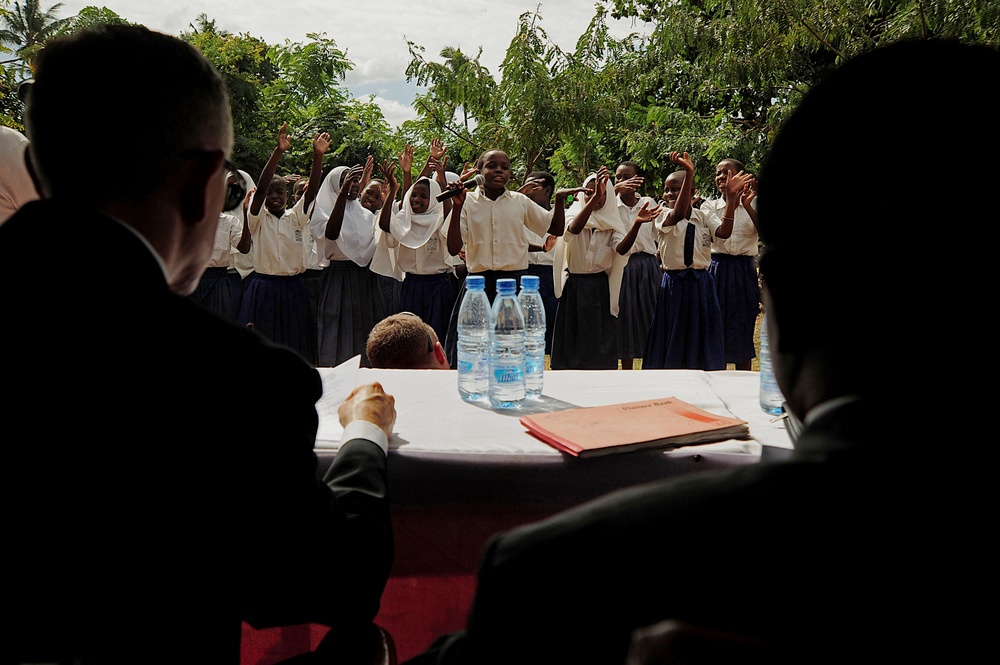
(529,282)
(506,286)
(475,282)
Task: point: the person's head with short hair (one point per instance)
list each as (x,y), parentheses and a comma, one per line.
(494,165)
(372,197)
(543,195)
(299,188)
(875,290)
(404,341)
(149,115)
(276,196)
(672,185)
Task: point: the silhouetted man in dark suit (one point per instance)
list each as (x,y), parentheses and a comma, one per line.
(151,503)
(865,545)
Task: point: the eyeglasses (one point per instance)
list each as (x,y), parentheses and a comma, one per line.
(236,187)
(235,191)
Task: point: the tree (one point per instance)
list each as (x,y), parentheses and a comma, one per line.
(27,27)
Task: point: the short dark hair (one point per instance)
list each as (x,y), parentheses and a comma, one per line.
(544,176)
(400,341)
(127,102)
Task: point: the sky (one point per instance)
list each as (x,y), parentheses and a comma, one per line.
(373,34)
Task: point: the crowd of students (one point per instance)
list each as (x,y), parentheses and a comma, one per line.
(624,276)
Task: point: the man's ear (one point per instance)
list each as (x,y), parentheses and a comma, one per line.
(440,356)
(199,178)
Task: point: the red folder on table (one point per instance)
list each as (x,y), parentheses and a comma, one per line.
(656,423)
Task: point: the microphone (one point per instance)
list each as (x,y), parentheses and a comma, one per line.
(468,184)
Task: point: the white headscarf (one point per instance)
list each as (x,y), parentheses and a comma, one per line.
(604,218)
(243,262)
(384,262)
(357,233)
(412,229)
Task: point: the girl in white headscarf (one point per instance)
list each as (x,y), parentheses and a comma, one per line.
(350,302)
(587,275)
(419,236)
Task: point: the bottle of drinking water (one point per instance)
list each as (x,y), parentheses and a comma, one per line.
(506,348)
(771,399)
(534,335)
(474,341)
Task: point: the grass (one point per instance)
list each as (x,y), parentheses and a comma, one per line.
(755,366)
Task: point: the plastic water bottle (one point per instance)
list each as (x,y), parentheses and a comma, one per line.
(474,341)
(534,335)
(506,348)
(771,399)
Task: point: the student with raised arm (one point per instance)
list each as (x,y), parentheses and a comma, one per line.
(686,331)
(419,237)
(642,273)
(734,268)
(351,302)
(275,301)
(489,221)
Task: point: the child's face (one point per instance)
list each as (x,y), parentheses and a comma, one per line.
(624,172)
(495,168)
(276,196)
(672,187)
(371,198)
(298,190)
(722,172)
(420,198)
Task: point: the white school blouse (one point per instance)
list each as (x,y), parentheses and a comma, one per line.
(493,230)
(743,242)
(277,242)
(227,235)
(671,239)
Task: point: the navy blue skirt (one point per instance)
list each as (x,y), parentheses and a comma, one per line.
(221,292)
(431,298)
(584,335)
(546,288)
(739,299)
(278,308)
(637,303)
(686,332)
(350,305)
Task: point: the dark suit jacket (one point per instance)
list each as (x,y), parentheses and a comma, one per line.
(161,485)
(835,553)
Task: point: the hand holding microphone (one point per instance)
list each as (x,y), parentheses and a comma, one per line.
(468,184)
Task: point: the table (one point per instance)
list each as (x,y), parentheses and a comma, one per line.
(460,472)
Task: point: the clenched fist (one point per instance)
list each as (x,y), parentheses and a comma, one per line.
(369,402)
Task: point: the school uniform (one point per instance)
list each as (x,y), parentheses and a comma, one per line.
(351,300)
(587,273)
(686,332)
(421,245)
(495,245)
(640,283)
(219,290)
(734,268)
(274,297)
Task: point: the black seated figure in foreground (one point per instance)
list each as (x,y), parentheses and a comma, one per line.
(867,544)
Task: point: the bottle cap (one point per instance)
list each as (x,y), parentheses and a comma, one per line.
(475,282)
(529,282)
(506,286)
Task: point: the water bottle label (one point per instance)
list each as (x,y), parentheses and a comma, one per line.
(510,374)
(533,365)
(464,366)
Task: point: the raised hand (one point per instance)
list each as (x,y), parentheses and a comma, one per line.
(284,142)
(405,158)
(321,143)
(684,160)
(749,192)
(630,185)
(437,149)
(389,171)
(735,184)
(530,187)
(647,214)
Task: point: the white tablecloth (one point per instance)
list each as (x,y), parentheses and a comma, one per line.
(432,418)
